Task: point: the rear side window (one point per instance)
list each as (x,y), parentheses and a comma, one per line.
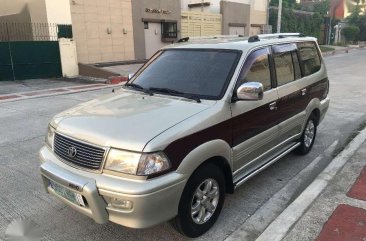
(284,68)
(309,57)
(256,69)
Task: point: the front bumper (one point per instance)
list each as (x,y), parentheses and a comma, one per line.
(154,201)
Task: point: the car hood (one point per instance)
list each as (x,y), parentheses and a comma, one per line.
(125,119)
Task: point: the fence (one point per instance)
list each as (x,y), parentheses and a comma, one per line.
(10,32)
(31,50)
(200,24)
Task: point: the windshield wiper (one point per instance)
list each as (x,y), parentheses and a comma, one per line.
(138,87)
(175,92)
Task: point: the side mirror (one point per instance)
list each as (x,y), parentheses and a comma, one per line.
(130,76)
(250,91)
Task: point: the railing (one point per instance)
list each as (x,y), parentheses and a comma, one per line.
(34,31)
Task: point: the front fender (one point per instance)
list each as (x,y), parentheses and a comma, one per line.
(204,152)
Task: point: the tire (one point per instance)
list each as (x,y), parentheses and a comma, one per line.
(308,136)
(192,223)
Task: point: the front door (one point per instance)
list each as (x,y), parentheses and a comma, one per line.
(255,129)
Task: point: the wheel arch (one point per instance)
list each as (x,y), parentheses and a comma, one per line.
(217,152)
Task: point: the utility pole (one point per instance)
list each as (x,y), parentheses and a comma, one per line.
(279,17)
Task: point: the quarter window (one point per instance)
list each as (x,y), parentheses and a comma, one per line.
(257,69)
(309,57)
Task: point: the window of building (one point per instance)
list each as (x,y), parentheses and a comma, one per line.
(309,57)
(257,69)
(169,30)
(146,25)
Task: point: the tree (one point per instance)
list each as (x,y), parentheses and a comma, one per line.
(322,7)
(285,3)
(359,20)
(350,32)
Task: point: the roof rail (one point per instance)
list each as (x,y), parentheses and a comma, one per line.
(186,39)
(257,38)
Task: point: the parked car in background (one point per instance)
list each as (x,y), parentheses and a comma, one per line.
(199,119)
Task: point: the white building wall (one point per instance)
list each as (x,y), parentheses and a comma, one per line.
(58,11)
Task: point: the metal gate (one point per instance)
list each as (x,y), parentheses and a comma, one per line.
(30,51)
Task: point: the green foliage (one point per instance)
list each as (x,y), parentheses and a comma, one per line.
(350,32)
(322,7)
(308,24)
(285,3)
(357,19)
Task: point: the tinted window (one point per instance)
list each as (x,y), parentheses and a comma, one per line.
(296,62)
(204,73)
(284,68)
(256,69)
(309,58)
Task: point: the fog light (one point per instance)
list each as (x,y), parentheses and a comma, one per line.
(121,204)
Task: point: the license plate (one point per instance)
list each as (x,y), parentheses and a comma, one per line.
(67,194)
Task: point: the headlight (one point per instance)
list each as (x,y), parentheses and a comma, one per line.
(50,136)
(136,163)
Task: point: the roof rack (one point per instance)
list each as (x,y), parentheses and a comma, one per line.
(186,39)
(259,37)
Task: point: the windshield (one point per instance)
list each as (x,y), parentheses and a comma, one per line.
(201,73)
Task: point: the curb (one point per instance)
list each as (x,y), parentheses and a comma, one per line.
(279,228)
(343,51)
(116,80)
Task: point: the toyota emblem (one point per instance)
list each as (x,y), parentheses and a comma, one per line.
(71,152)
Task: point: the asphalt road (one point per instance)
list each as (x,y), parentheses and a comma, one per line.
(23,126)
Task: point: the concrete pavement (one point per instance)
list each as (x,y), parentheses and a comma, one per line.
(293,223)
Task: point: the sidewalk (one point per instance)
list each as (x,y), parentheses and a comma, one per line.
(35,88)
(333,207)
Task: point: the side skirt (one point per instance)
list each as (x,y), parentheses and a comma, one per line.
(270,161)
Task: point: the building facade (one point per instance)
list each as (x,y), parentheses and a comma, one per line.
(103,30)
(242,17)
(124,30)
(341,9)
(156,23)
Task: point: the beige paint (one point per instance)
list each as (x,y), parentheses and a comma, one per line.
(9,7)
(153,39)
(36,9)
(58,11)
(200,24)
(69,61)
(103,30)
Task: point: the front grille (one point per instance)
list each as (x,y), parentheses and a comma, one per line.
(87,156)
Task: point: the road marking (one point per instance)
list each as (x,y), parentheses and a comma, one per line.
(278,229)
(268,212)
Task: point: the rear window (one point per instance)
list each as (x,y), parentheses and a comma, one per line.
(309,57)
(203,73)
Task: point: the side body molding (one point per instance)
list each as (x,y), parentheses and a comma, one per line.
(207,150)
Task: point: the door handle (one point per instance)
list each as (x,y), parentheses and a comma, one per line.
(273,106)
(303,91)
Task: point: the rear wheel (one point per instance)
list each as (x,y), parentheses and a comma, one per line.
(308,136)
(201,201)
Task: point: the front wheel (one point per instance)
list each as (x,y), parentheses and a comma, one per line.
(308,136)
(201,201)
